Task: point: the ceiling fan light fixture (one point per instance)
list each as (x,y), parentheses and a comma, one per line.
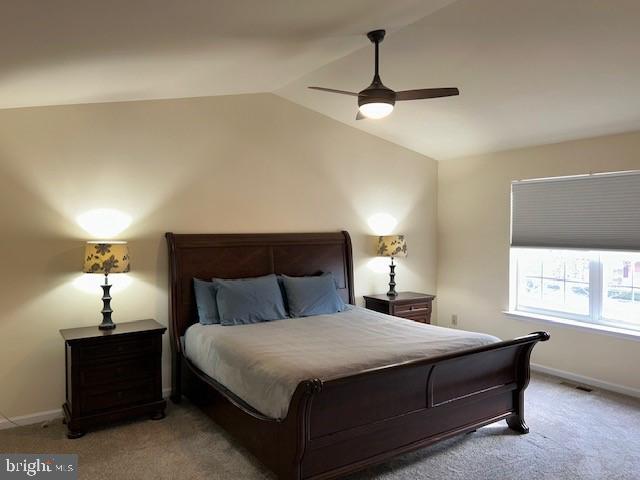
(376,110)
(377,100)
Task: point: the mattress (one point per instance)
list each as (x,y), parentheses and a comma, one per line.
(263,363)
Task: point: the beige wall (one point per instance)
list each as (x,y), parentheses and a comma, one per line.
(256,163)
(473,250)
(251,163)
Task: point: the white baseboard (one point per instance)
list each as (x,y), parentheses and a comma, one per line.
(594,382)
(30,419)
(47,416)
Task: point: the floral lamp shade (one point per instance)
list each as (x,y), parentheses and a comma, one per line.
(103,257)
(392,246)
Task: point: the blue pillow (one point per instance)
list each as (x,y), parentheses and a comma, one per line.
(249,300)
(312,295)
(206,302)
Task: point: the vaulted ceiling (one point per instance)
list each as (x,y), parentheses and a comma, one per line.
(529,71)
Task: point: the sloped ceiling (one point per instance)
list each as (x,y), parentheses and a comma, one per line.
(529,71)
(83,51)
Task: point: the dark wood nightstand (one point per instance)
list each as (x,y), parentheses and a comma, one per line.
(112,374)
(411,305)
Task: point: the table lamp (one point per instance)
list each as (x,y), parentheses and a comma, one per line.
(392,246)
(106,258)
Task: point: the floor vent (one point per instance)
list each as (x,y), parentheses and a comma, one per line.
(584,389)
(578,387)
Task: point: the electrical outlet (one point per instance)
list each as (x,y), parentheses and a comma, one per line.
(454,319)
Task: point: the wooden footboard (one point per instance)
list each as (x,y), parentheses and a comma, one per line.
(341,425)
(362,419)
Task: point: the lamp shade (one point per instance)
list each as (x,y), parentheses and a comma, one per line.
(103,257)
(392,246)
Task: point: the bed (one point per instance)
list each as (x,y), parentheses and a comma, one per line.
(327,423)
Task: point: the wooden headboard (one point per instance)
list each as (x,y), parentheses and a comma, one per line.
(205,256)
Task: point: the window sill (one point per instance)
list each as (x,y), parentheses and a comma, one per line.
(565,322)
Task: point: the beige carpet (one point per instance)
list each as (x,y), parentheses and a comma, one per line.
(574,435)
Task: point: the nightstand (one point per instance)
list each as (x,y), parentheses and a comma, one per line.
(112,374)
(411,305)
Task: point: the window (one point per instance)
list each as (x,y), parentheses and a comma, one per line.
(621,289)
(589,286)
(575,245)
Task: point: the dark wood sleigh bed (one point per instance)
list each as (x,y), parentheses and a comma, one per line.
(341,425)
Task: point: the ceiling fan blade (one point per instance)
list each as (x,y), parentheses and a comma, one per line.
(331,90)
(360,116)
(426,93)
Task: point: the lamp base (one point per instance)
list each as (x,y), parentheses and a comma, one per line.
(107,326)
(392,284)
(107,323)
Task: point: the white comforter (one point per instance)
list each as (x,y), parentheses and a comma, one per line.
(263,363)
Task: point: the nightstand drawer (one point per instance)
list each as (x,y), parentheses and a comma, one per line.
(132,347)
(416,317)
(97,399)
(138,368)
(413,308)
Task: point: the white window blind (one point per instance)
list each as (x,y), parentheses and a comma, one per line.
(592,211)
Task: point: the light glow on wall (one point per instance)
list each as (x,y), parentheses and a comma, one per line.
(104,223)
(90,283)
(382,223)
(379,264)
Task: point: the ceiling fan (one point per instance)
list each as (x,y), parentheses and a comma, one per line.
(377,100)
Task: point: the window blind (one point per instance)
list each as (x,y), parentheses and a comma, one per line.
(599,211)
